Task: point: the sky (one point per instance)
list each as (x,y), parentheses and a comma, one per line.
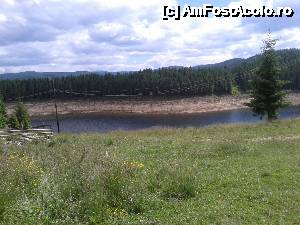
(126,35)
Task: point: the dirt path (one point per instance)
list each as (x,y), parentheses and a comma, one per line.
(143,106)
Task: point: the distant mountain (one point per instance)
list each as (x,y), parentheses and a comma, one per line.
(173,67)
(33,74)
(226,64)
(220,78)
(287,56)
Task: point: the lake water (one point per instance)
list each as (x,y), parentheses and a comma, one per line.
(106,123)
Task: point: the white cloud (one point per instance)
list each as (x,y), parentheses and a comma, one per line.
(9,2)
(59,35)
(2,18)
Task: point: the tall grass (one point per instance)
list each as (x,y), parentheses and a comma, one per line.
(222,174)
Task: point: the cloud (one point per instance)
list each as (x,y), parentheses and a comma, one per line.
(274,24)
(69,35)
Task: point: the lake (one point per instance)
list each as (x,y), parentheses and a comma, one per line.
(87,123)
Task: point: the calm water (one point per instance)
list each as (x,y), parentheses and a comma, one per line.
(107,123)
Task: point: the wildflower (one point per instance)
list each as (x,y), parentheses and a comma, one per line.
(117,212)
(135,165)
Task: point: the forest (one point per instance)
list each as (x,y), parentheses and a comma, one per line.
(224,78)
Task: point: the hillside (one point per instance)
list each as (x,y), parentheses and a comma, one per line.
(224,78)
(287,54)
(231,63)
(237,174)
(34,75)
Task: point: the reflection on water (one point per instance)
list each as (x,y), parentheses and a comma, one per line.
(107,123)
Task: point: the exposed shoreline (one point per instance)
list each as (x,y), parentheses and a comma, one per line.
(142,105)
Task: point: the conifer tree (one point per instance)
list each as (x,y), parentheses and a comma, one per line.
(267,90)
(23,119)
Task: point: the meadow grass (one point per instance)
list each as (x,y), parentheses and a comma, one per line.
(228,174)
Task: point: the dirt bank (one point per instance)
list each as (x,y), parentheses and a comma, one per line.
(143,106)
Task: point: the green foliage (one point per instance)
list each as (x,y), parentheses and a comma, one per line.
(13,122)
(23,120)
(237,174)
(3,115)
(235,90)
(267,90)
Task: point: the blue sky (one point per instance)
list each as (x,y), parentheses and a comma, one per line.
(118,35)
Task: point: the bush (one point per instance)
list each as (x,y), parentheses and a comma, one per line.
(235,91)
(22,116)
(13,122)
(3,114)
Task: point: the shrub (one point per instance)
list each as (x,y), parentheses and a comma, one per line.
(13,122)
(3,114)
(235,91)
(22,116)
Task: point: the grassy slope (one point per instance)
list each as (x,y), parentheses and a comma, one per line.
(248,174)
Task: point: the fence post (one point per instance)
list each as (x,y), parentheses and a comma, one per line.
(55,105)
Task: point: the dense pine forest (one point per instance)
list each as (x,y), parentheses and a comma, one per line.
(224,78)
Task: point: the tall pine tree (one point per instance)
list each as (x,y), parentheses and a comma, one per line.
(267,90)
